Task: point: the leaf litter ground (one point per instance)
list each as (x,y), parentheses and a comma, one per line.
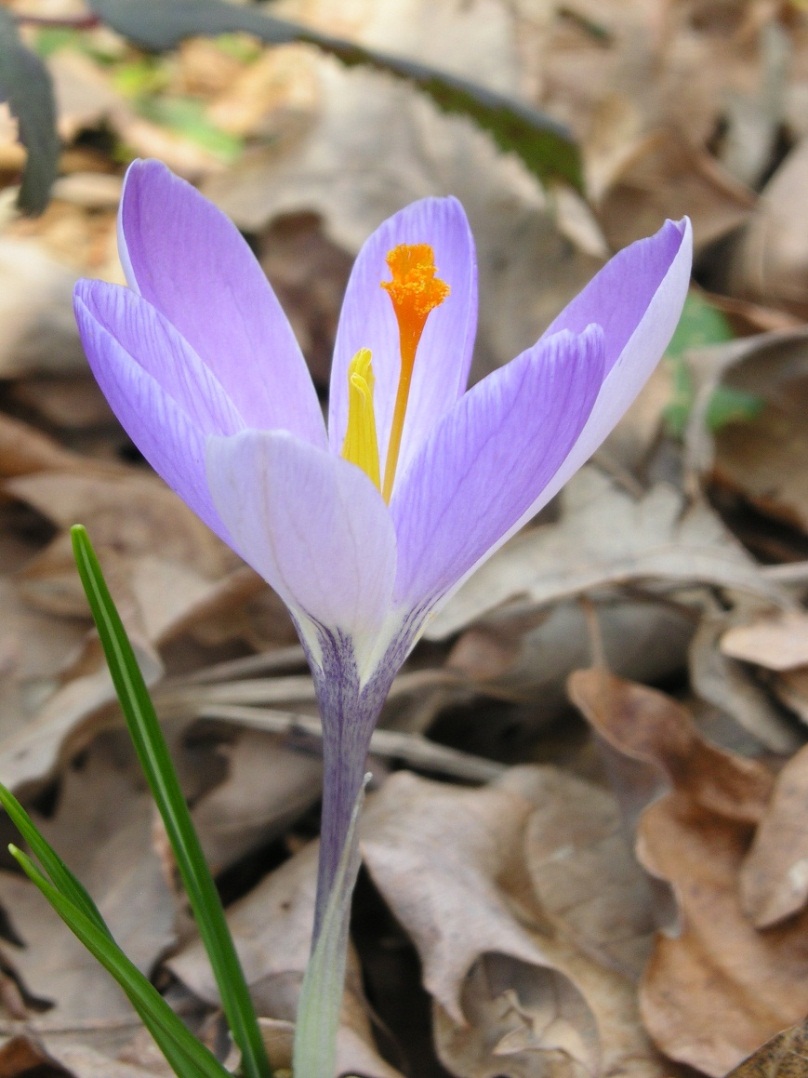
(585,844)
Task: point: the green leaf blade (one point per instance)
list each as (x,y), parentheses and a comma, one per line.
(188,1057)
(60,875)
(152,751)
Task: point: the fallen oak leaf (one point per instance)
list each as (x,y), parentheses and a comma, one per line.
(784,1056)
(439,855)
(653,731)
(718,987)
(774,877)
(480,865)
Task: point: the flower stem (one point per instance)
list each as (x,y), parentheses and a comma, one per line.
(343,776)
(349,714)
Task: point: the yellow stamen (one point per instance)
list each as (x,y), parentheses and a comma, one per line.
(414,291)
(361,446)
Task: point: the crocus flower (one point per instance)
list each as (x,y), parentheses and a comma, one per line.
(366,526)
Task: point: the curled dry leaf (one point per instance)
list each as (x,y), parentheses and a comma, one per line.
(436,853)
(746,707)
(764,459)
(584,873)
(515,1015)
(774,878)
(784,1056)
(501,890)
(718,987)
(652,730)
(33,650)
(775,640)
(606,537)
(772,264)
(66,723)
(269,784)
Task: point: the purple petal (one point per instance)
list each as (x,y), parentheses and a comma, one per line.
(190,262)
(124,340)
(367,321)
(149,340)
(311,524)
(650,279)
(636,287)
(490,460)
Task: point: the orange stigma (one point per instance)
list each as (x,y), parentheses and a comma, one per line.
(414,291)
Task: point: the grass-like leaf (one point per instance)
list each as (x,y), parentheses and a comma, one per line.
(150,745)
(60,875)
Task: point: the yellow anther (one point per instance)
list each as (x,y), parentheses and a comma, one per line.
(361,446)
(414,291)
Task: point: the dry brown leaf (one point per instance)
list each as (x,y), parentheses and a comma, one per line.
(36,312)
(792,688)
(765,459)
(584,873)
(606,537)
(512,1024)
(759,458)
(665,175)
(777,640)
(514,1017)
(774,878)
(437,854)
(26,451)
(653,731)
(269,784)
(71,403)
(732,689)
(772,265)
(65,724)
(81,1061)
(784,1056)
(165,568)
(645,86)
(34,650)
(102,828)
(132,512)
(718,987)
(19,1055)
(470,873)
(508,655)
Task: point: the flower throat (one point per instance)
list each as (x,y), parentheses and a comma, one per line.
(414,291)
